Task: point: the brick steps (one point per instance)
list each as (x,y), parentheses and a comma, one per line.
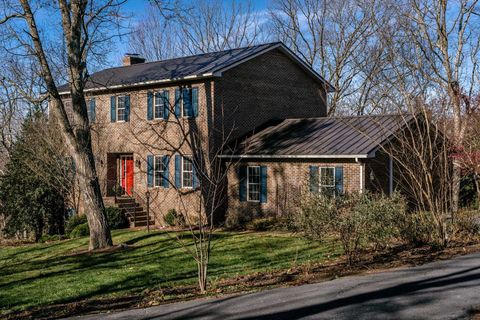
(135,212)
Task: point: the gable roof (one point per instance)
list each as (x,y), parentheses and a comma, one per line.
(184,68)
(333,137)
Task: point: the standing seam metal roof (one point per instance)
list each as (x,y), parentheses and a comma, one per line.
(335,136)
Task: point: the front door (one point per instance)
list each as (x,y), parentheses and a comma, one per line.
(126,174)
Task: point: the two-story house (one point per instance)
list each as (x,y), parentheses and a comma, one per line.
(268,104)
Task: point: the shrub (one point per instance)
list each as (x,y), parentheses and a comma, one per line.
(81,230)
(173,218)
(261,224)
(418,228)
(237,219)
(357,220)
(74,221)
(467,222)
(116,218)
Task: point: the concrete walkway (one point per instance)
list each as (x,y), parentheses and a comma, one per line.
(438,290)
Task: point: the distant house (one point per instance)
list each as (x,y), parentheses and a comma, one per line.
(273,107)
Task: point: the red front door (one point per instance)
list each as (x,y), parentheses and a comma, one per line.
(126,174)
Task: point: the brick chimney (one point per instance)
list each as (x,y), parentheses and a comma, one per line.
(132,58)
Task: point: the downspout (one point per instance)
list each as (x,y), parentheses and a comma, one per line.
(390,175)
(361,174)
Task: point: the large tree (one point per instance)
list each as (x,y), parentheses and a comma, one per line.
(83,26)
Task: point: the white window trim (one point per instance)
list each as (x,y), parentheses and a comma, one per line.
(162,93)
(259,185)
(320,185)
(155,171)
(181,171)
(116,107)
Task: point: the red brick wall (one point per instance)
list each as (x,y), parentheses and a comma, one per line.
(286,179)
(267,87)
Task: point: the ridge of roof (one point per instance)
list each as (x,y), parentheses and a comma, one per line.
(267,44)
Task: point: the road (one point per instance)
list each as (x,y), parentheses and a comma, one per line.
(439,290)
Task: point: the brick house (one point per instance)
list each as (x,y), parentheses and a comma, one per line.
(261,99)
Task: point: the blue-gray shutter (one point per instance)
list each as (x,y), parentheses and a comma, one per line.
(127,108)
(113,109)
(339,180)
(314,179)
(263,184)
(187,102)
(195,102)
(166,105)
(92,110)
(149,105)
(165,177)
(177,103)
(178,181)
(150,171)
(242,176)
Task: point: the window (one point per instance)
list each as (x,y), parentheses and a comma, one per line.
(327,180)
(121,103)
(187,172)
(159,170)
(253,184)
(159,104)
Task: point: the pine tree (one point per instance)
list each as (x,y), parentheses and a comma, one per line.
(32,197)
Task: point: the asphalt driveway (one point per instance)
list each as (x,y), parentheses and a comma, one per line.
(438,290)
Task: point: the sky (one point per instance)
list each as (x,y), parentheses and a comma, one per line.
(136,9)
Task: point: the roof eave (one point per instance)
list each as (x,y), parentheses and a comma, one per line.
(146,83)
(307,156)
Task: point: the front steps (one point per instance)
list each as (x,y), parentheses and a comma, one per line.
(136,214)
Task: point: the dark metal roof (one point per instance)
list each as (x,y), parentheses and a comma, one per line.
(183,67)
(329,136)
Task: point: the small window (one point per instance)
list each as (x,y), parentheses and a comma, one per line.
(327,180)
(159,170)
(121,102)
(187,172)
(253,184)
(159,104)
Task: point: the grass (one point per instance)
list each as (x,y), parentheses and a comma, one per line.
(61,272)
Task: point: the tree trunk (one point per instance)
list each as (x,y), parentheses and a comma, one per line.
(100,236)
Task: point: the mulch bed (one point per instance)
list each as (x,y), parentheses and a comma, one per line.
(395,257)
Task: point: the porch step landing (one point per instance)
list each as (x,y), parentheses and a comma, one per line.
(136,214)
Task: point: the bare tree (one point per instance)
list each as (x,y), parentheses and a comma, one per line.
(339,39)
(84,25)
(179,28)
(434,54)
(197,207)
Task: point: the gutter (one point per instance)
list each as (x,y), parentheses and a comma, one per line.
(145,83)
(323,156)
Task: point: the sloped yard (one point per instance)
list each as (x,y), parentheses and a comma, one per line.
(63,272)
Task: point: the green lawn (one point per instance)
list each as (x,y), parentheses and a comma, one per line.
(42,274)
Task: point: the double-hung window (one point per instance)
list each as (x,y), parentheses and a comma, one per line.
(327,180)
(159,104)
(253,183)
(121,106)
(187,172)
(159,171)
